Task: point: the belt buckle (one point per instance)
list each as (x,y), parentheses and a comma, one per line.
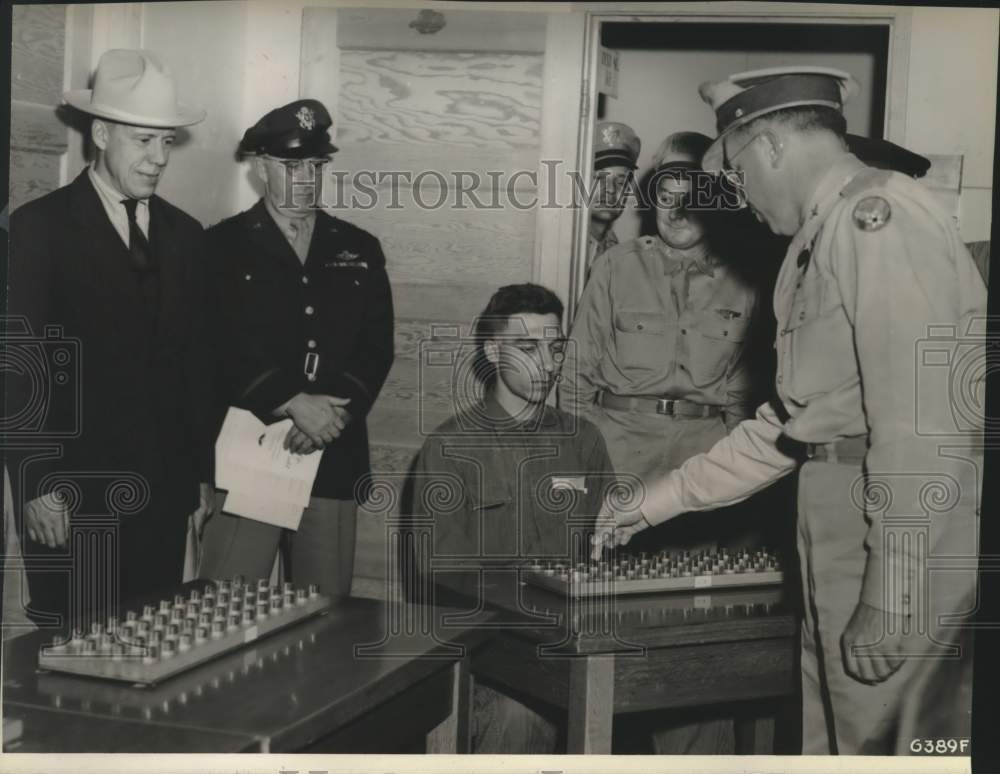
(665,406)
(311,366)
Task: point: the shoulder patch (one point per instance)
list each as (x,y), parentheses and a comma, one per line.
(871,213)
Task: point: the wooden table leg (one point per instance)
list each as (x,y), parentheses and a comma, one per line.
(453,734)
(591,704)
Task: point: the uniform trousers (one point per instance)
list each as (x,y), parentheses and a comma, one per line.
(647,445)
(322,549)
(841,715)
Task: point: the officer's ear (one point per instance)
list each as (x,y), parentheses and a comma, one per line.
(259,169)
(774,147)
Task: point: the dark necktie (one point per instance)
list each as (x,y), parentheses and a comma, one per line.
(138,245)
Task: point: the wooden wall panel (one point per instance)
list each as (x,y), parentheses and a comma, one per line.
(456,301)
(37,137)
(462,99)
(476,247)
(38,42)
(443,111)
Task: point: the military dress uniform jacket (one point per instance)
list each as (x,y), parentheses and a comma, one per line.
(651,324)
(281,322)
(876,275)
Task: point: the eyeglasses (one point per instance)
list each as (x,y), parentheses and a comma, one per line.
(727,159)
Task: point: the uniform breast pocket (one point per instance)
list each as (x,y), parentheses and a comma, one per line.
(713,343)
(821,349)
(644,340)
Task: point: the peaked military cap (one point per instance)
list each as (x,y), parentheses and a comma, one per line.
(742,97)
(615,145)
(298,130)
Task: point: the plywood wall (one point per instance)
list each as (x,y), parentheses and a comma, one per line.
(469,115)
(37,137)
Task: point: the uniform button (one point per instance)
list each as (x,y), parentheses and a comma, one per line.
(311,343)
(305,280)
(639,327)
(247,277)
(684,331)
(309,310)
(802,315)
(779,379)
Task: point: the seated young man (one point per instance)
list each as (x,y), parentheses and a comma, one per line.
(513,460)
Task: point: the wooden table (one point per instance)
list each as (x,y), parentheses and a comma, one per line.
(334,683)
(644,652)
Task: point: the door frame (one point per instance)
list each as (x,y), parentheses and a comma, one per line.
(897,19)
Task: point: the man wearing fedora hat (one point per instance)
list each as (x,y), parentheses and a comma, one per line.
(122,272)
(305,331)
(874,278)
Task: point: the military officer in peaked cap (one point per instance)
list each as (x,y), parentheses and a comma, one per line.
(874,268)
(616,150)
(304,330)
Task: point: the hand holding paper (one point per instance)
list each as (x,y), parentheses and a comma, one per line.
(264,479)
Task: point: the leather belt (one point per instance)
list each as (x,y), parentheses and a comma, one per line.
(666,406)
(846,451)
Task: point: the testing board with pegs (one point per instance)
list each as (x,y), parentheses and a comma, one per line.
(649,573)
(173,636)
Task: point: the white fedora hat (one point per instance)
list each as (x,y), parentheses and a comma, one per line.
(134,87)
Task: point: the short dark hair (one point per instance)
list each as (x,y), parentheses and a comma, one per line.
(510,300)
(805,118)
(693,144)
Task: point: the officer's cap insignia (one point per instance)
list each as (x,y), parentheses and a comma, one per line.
(871,213)
(307,119)
(610,135)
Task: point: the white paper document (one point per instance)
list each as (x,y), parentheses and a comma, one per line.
(264,481)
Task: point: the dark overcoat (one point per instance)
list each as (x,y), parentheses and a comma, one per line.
(125,387)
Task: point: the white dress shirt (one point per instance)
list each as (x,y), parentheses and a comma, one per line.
(111,198)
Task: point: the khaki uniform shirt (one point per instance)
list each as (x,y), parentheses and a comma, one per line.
(651,323)
(596,247)
(878,305)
